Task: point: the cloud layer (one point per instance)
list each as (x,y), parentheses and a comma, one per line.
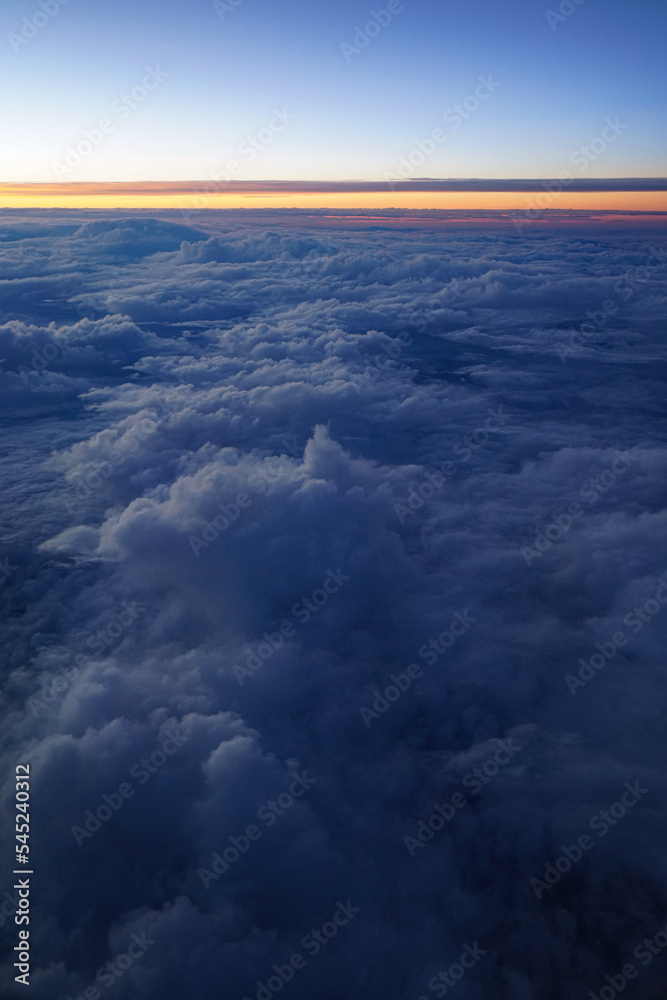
(253,474)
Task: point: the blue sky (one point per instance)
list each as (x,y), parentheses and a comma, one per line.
(353,117)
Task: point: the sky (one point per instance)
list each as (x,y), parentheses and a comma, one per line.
(293,91)
(333,539)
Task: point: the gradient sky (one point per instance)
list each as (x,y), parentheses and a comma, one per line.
(353,120)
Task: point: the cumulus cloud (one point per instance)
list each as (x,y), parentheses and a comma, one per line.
(258,468)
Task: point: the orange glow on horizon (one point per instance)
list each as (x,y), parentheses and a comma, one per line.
(181,196)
